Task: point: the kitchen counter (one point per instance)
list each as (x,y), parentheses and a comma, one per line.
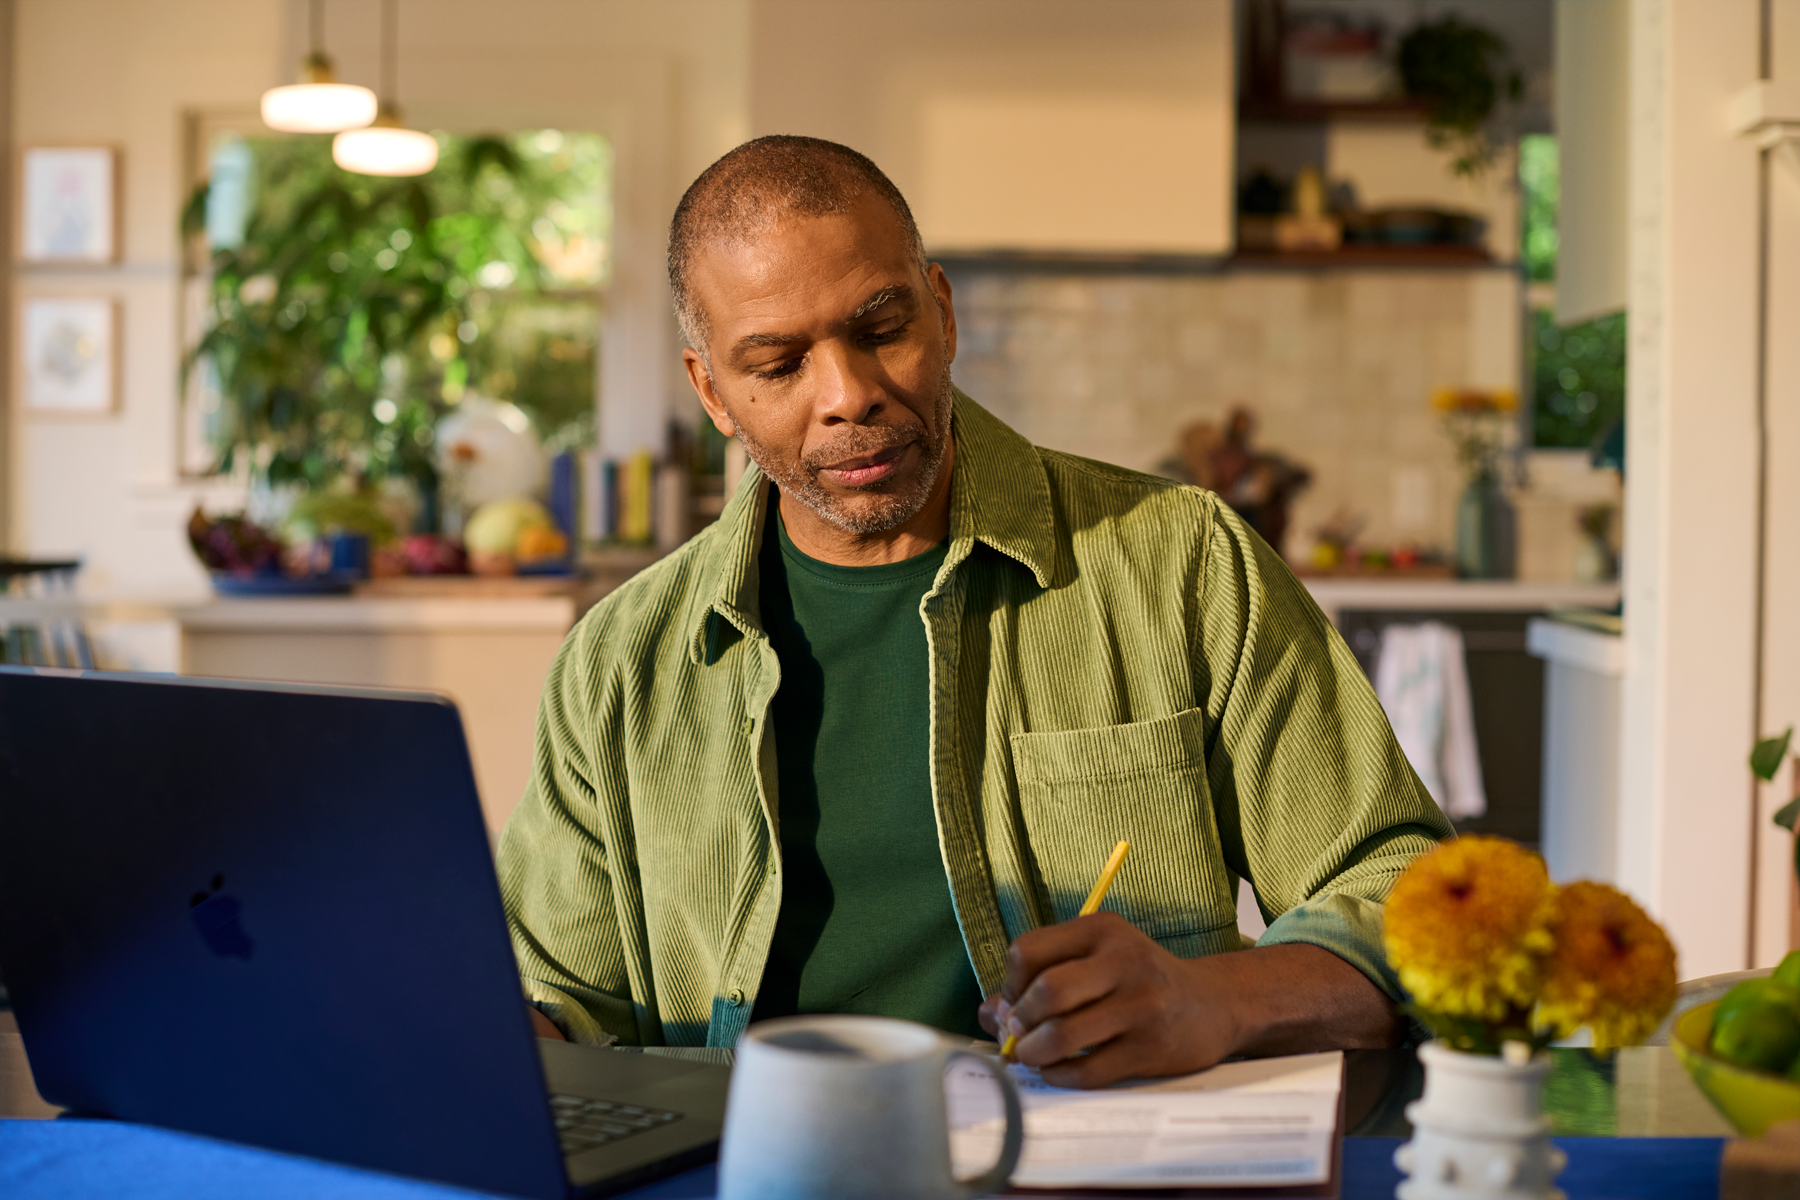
(331,614)
(490,654)
(1506,682)
(1335,594)
(1579,646)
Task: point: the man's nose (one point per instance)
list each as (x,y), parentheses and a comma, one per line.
(851,388)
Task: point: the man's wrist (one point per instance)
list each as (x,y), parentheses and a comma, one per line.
(1220,991)
(1291,998)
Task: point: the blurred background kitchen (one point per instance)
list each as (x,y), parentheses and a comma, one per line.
(1482,312)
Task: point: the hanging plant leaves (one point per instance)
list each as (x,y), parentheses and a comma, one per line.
(1459,71)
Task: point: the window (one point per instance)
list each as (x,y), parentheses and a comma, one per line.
(338,316)
(1578,371)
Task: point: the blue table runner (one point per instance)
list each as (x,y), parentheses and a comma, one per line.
(91,1160)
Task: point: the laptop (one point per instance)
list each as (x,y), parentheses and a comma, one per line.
(268,913)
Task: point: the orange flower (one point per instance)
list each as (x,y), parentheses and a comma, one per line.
(1613,968)
(1466,926)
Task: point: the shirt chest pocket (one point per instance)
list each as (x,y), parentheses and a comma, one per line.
(1084,789)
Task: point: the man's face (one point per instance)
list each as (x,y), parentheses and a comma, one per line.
(831,361)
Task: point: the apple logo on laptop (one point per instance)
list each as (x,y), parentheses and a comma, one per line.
(216,917)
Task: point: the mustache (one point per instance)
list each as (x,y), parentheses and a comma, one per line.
(859,440)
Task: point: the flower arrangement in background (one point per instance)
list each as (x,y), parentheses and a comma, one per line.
(1480,424)
(1490,951)
(1482,428)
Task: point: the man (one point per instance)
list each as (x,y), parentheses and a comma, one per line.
(863,745)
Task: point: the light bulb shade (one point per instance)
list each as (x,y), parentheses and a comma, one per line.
(318,107)
(385,150)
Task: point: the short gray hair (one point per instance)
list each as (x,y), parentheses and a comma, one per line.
(756,185)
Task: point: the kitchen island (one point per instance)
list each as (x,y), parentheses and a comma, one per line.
(489,654)
(1506,680)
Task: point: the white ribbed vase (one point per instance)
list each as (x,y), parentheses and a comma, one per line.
(1479,1130)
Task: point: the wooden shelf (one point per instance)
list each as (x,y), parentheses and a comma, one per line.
(1429,255)
(1312,112)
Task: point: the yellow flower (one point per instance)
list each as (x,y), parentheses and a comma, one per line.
(1466,926)
(1613,968)
(1475,400)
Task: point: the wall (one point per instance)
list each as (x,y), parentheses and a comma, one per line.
(1339,367)
(1685,816)
(666,81)
(111,71)
(674,84)
(1135,69)
(1777,920)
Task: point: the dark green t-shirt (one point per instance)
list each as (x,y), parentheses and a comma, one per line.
(867,924)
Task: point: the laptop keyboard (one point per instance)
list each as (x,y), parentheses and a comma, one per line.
(582,1123)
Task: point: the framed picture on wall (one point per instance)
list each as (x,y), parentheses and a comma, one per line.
(69,356)
(69,205)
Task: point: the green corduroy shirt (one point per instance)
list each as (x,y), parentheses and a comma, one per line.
(1113,655)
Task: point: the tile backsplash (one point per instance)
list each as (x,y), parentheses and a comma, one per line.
(1338,366)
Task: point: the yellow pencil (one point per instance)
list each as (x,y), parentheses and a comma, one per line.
(1092,904)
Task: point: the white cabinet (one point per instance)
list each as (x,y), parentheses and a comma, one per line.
(1584,669)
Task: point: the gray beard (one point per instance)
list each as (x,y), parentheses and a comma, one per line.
(896,507)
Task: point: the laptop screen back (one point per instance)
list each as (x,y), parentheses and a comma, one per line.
(269,914)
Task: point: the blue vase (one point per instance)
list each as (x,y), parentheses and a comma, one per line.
(1486,530)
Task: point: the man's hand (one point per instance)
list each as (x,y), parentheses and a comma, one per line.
(1097,984)
(543,1026)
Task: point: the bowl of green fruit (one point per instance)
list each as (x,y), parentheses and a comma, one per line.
(1743,1050)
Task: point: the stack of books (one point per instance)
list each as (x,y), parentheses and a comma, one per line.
(617,501)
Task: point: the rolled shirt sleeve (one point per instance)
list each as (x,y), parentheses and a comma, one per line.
(1317,806)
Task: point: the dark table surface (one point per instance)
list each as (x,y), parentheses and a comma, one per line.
(1634,1126)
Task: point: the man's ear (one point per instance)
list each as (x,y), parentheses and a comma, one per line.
(701,380)
(940,285)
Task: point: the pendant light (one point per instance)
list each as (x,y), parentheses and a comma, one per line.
(318,103)
(387,147)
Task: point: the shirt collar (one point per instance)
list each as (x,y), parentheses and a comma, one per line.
(999,496)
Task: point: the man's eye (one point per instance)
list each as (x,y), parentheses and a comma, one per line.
(785,367)
(884,336)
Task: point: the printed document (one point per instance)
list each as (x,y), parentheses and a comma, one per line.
(1265,1122)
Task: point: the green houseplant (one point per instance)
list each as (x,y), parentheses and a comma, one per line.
(353,312)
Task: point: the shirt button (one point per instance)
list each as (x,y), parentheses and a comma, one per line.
(735,997)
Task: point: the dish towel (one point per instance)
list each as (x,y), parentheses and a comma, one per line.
(1423,683)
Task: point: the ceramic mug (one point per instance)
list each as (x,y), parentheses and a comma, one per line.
(848,1107)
